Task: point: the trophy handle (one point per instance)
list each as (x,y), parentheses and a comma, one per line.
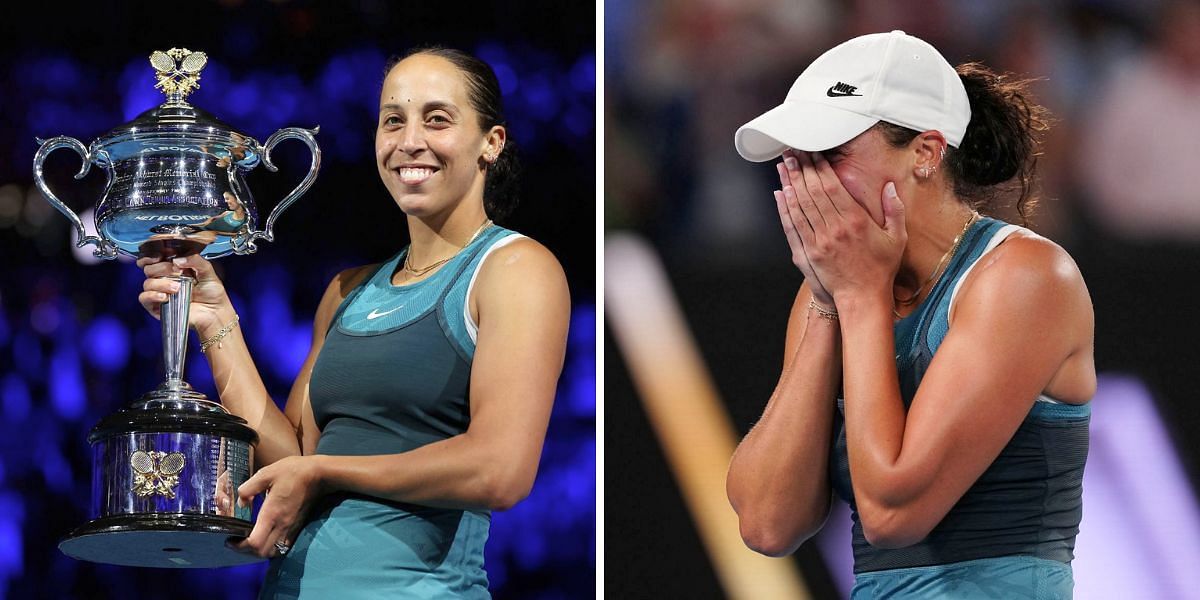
(104,248)
(247,246)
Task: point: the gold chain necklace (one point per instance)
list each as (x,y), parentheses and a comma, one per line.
(937,271)
(417,272)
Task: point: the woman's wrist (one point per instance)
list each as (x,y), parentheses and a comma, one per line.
(320,473)
(218,319)
(826,312)
(865,301)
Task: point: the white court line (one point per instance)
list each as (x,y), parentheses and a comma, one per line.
(685,411)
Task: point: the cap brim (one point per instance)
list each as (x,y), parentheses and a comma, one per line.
(807,126)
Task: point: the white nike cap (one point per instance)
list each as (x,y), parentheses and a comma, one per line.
(891,77)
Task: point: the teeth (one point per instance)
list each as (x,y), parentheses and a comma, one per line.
(413,175)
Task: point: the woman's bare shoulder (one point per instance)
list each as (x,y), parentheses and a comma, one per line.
(1028,269)
(522,271)
(518,260)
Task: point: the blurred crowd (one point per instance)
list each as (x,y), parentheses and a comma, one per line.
(1120,77)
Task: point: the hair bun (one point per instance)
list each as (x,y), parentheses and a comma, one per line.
(1002,140)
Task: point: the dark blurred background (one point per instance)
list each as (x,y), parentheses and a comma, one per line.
(1122,78)
(74,343)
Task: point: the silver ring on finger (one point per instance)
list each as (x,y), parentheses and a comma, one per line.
(282,547)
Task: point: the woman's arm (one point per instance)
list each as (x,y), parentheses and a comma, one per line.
(523,311)
(1022,321)
(1019,317)
(239,385)
(778,479)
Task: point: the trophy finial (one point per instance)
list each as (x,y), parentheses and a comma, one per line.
(178,72)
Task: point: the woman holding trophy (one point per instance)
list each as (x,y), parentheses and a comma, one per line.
(424,400)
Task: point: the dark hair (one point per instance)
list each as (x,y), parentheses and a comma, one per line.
(998,154)
(483,91)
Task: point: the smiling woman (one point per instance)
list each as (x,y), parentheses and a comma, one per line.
(424,400)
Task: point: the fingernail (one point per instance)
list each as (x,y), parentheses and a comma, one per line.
(174,286)
(890,189)
(179,260)
(790,162)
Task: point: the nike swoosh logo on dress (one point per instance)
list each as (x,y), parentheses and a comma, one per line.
(375,315)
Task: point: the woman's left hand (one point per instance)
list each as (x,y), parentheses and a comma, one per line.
(850,253)
(291,485)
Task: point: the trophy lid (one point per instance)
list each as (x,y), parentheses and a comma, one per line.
(175,124)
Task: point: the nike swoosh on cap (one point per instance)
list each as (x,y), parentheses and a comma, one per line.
(839,90)
(375,315)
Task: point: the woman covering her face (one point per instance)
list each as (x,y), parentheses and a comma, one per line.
(424,400)
(938,362)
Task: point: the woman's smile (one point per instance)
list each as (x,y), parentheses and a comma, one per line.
(414,175)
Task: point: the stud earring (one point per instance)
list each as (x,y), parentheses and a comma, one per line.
(923,172)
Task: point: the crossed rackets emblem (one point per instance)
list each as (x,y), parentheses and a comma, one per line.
(156,472)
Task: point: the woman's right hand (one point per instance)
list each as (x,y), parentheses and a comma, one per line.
(789,210)
(210,308)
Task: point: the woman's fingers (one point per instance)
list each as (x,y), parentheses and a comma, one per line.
(800,219)
(830,185)
(261,541)
(161,268)
(789,227)
(156,291)
(202,267)
(161,284)
(148,260)
(152,302)
(791,170)
(818,200)
(257,484)
(268,527)
(784,178)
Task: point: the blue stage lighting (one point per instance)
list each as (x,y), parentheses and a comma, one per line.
(27,355)
(16,400)
(67,394)
(583,74)
(107,340)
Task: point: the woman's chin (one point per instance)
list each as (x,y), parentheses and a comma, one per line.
(416,207)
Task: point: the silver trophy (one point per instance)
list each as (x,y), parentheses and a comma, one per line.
(166,468)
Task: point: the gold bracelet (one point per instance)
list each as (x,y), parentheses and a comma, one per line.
(216,339)
(824,313)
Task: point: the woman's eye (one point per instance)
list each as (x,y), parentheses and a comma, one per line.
(438,119)
(391,120)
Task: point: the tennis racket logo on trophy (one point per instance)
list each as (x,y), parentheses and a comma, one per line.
(165,467)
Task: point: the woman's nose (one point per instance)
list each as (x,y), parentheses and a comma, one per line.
(411,141)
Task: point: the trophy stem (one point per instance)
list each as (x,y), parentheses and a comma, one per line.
(175,331)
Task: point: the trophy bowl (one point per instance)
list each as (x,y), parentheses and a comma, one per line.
(166,468)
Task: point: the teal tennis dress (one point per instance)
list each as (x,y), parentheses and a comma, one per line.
(392,376)
(1012,534)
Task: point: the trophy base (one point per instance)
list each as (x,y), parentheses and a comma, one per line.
(171,541)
